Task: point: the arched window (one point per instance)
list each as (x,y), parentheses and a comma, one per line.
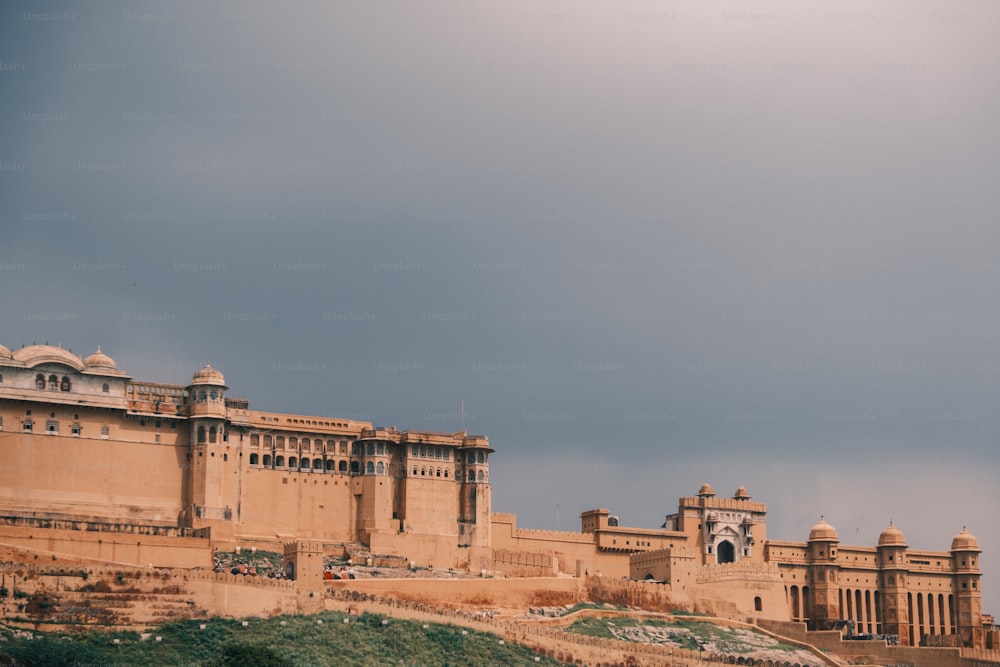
(29,425)
(279,461)
(331,447)
(213,434)
(446,473)
(201,395)
(438,472)
(293,462)
(423,450)
(381,448)
(472,475)
(318,465)
(53,383)
(423,472)
(380,468)
(371,449)
(267,441)
(482,476)
(331,465)
(75,429)
(414,471)
(414,451)
(254,440)
(370,468)
(201,434)
(471,458)
(105,388)
(64,385)
(267,460)
(481,458)
(342,467)
(305,463)
(280,442)
(213,395)
(447,454)
(726,552)
(343,448)
(39,381)
(254,458)
(437,452)
(355,467)
(293,442)
(758,604)
(305,444)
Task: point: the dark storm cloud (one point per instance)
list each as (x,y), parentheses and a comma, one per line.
(648,244)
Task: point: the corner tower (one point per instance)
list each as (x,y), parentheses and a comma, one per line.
(475,500)
(893,575)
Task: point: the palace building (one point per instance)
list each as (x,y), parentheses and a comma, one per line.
(100,466)
(86,445)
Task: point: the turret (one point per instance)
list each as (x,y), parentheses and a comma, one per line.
(823,603)
(894,575)
(968,595)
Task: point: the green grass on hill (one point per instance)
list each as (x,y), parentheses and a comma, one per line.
(302,641)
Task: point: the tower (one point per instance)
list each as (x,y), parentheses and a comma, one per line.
(822,603)
(968,595)
(205,498)
(893,576)
(475,503)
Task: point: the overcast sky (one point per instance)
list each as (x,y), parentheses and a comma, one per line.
(649,245)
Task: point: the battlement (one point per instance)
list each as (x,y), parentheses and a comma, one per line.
(554,535)
(725,504)
(741,570)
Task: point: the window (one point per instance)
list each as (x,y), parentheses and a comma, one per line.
(446,473)
(758,604)
(105,388)
(437,452)
(201,434)
(75,429)
(381,448)
(423,472)
(1,423)
(330,465)
(380,468)
(254,440)
(267,460)
(414,471)
(371,449)
(423,451)
(342,467)
(64,385)
(438,472)
(481,458)
(482,476)
(355,467)
(280,442)
(254,458)
(53,383)
(104,431)
(470,458)
(305,444)
(293,462)
(472,475)
(293,442)
(212,395)
(52,426)
(370,468)
(305,464)
(343,448)
(201,395)
(267,441)
(39,381)
(447,454)
(28,425)
(414,451)
(279,461)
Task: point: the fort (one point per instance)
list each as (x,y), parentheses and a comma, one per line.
(110,472)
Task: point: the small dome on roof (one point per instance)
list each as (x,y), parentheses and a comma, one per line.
(741,493)
(891,537)
(100,360)
(823,532)
(5,353)
(964,541)
(706,490)
(208,375)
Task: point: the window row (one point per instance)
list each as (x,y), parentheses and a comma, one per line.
(51,426)
(213,434)
(424,451)
(54,383)
(475,457)
(213,395)
(316,465)
(306,444)
(425,472)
